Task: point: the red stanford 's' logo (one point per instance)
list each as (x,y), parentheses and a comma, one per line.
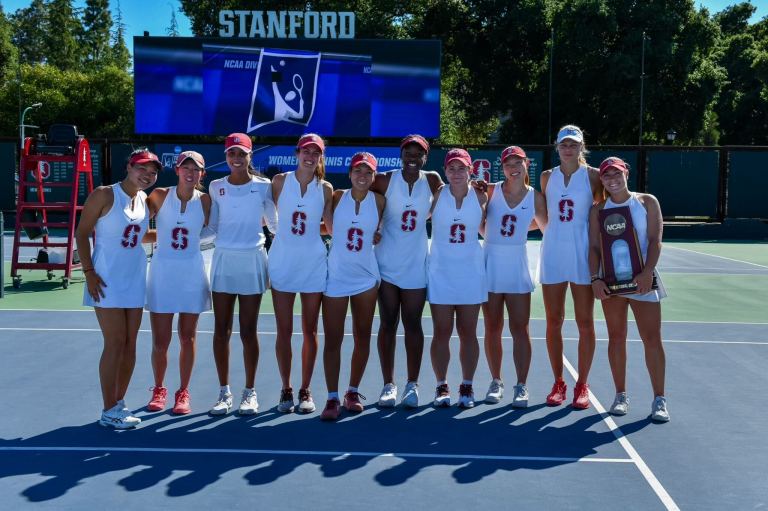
(481,169)
(408,222)
(299,223)
(130,236)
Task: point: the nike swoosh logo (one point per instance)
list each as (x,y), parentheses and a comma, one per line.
(179,223)
(353,222)
(409,205)
(456,219)
(300,205)
(523,207)
(254,191)
(564,195)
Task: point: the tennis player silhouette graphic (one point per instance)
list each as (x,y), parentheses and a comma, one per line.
(285,88)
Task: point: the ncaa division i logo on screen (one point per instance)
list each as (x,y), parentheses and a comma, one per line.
(285,88)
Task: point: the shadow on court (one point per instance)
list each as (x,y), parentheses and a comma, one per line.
(191,453)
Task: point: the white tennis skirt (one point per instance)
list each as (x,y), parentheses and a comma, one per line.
(239,272)
(506,269)
(654,295)
(178,285)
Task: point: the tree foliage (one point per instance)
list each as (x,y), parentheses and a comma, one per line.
(94,34)
(8,52)
(95,101)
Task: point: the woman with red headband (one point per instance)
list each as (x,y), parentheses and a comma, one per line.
(241,202)
(402,257)
(115,276)
(456,276)
(571,189)
(645,302)
(177,281)
(353,278)
(513,208)
(298,262)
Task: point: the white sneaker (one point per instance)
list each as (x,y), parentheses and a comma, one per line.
(466,396)
(495,392)
(411,395)
(388,397)
(520,396)
(286,405)
(306,403)
(659,411)
(442,396)
(248,403)
(116,418)
(620,404)
(223,404)
(127,414)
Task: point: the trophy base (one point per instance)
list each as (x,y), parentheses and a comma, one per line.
(622,288)
(627,287)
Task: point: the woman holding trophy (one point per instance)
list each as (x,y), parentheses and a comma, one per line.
(625,244)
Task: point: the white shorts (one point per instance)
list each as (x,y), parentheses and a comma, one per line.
(178,285)
(239,272)
(506,269)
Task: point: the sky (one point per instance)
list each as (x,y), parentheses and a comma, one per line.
(154,16)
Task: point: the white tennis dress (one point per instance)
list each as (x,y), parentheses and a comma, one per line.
(506,236)
(352,266)
(118,257)
(177,280)
(298,258)
(456,265)
(239,263)
(402,250)
(640,222)
(565,245)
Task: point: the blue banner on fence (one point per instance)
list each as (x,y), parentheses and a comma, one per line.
(273,159)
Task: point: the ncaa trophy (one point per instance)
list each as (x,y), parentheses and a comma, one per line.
(622,258)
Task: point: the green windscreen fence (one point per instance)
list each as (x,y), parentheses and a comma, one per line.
(685,182)
(747,184)
(8,185)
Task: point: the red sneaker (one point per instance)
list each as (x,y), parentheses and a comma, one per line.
(581,396)
(182,407)
(157,402)
(557,396)
(352,401)
(331,411)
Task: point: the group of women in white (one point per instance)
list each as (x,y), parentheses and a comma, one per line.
(380,252)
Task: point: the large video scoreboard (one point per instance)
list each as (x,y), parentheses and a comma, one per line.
(285,87)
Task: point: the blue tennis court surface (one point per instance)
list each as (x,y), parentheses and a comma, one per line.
(712,454)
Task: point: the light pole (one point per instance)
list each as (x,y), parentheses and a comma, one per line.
(551,62)
(642,87)
(21,122)
(671,136)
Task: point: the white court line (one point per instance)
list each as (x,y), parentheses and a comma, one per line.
(347,334)
(718,256)
(343,454)
(713,271)
(645,470)
(567,320)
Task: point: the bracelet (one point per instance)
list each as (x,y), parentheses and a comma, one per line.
(595,278)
